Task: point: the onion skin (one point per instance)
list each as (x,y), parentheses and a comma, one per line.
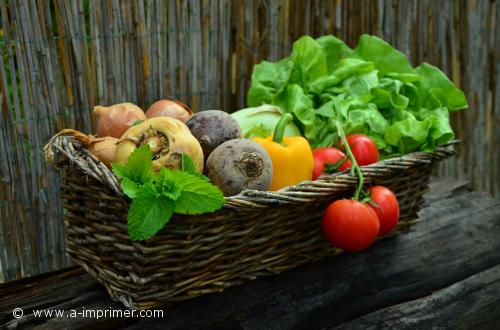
(105,150)
(178,138)
(169,108)
(116,119)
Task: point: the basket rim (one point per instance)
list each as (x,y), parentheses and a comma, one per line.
(75,155)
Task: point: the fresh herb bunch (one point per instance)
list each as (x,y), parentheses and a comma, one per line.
(157,196)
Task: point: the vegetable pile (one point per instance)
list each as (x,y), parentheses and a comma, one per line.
(294,131)
(371,89)
(158,159)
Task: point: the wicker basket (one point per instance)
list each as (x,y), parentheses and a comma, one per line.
(255,234)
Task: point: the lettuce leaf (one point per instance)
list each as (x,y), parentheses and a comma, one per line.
(386,58)
(268,80)
(436,88)
(371,89)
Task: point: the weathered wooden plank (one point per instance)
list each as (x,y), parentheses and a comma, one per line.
(494,93)
(54,284)
(473,303)
(28,139)
(320,294)
(3,150)
(445,188)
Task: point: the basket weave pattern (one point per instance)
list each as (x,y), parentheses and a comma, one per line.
(255,234)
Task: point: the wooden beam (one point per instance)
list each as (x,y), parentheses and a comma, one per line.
(473,303)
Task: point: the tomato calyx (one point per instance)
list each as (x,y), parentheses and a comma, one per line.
(337,160)
(366,199)
(331,168)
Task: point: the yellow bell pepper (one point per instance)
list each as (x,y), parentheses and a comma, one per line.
(291,156)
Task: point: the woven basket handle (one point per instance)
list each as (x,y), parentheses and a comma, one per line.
(62,151)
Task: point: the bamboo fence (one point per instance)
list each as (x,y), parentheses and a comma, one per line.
(60,58)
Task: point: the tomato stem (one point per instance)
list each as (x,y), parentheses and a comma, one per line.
(355,167)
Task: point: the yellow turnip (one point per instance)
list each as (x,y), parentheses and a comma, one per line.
(168,139)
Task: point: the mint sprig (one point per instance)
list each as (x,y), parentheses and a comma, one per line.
(139,166)
(197,194)
(148,213)
(188,164)
(157,196)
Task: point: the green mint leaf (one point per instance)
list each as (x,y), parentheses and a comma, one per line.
(198,195)
(166,184)
(129,187)
(139,166)
(188,164)
(148,213)
(201,177)
(121,170)
(137,122)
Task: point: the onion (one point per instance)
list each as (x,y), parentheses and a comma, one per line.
(103,148)
(116,119)
(169,108)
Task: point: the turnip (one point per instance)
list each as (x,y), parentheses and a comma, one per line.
(212,128)
(168,139)
(239,164)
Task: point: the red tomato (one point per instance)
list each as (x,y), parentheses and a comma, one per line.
(322,156)
(350,225)
(388,210)
(363,149)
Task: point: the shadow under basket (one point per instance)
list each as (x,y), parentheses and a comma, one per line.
(255,234)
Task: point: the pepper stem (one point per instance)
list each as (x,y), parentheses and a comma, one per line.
(355,166)
(279,130)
